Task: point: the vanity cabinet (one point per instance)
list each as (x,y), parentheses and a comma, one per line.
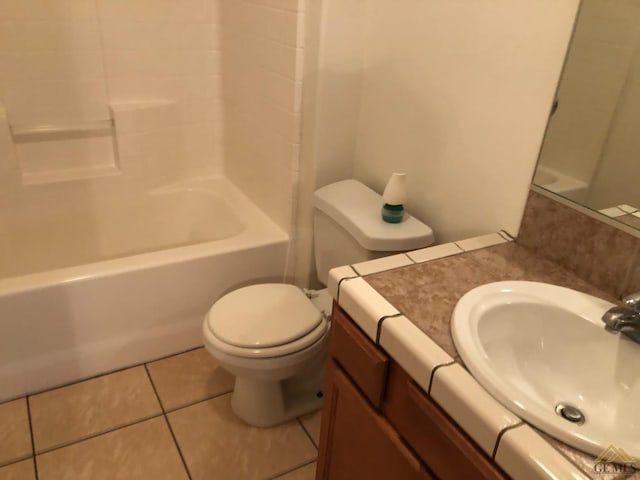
(378,424)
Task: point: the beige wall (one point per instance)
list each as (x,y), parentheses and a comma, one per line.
(457,95)
(335,36)
(261,49)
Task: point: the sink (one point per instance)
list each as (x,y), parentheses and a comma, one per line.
(542,351)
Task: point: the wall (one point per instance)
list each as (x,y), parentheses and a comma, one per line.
(71,61)
(335,37)
(262,48)
(593,81)
(457,94)
(167,51)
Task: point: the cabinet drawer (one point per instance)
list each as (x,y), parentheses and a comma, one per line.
(358,356)
(438,441)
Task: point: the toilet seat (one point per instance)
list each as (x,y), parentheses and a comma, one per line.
(264,321)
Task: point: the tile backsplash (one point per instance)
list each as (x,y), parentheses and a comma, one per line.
(599,253)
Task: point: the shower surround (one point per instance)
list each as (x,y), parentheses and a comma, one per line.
(134,147)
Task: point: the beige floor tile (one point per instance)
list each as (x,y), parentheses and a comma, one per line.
(18,471)
(188,378)
(308,472)
(144,451)
(15,438)
(78,411)
(216,444)
(311,424)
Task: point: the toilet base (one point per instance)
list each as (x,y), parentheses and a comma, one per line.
(266,404)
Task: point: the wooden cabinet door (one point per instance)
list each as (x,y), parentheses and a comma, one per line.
(356,442)
(439,443)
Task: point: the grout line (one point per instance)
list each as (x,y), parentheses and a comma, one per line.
(506,235)
(175,442)
(35,467)
(433,373)
(182,407)
(353,267)
(13,461)
(13,399)
(166,419)
(379,326)
(305,431)
(280,475)
(34,454)
(75,382)
(172,355)
(499,437)
(153,385)
(110,372)
(342,280)
(33,444)
(96,435)
(456,244)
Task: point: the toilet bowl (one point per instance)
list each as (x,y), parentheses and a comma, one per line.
(274,340)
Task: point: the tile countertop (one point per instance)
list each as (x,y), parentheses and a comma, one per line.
(404,304)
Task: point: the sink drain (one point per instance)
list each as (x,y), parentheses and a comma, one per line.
(570,413)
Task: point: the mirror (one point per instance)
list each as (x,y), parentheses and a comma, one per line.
(591,151)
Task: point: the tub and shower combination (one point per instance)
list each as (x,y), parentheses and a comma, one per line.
(89,288)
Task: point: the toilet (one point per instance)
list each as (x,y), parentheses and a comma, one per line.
(274,337)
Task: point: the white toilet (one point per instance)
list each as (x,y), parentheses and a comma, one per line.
(273,337)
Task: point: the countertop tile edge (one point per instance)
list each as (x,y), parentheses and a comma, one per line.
(336,276)
(416,353)
(481,241)
(435,252)
(522,453)
(382,264)
(471,406)
(365,305)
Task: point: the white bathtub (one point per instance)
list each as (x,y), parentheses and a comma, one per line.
(93,289)
(557,182)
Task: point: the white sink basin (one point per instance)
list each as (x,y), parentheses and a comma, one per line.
(537,347)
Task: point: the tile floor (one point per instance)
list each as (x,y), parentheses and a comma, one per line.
(168,419)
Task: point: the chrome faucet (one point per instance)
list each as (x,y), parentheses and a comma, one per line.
(624,318)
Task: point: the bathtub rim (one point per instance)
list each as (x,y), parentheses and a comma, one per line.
(259,230)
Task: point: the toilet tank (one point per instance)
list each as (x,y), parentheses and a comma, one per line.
(348,227)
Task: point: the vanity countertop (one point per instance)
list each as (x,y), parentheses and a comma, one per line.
(427,292)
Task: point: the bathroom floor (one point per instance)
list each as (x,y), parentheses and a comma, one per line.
(167,419)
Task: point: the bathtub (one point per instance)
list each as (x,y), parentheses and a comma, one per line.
(98,287)
(560,183)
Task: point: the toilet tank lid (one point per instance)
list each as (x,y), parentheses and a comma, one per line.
(357,209)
